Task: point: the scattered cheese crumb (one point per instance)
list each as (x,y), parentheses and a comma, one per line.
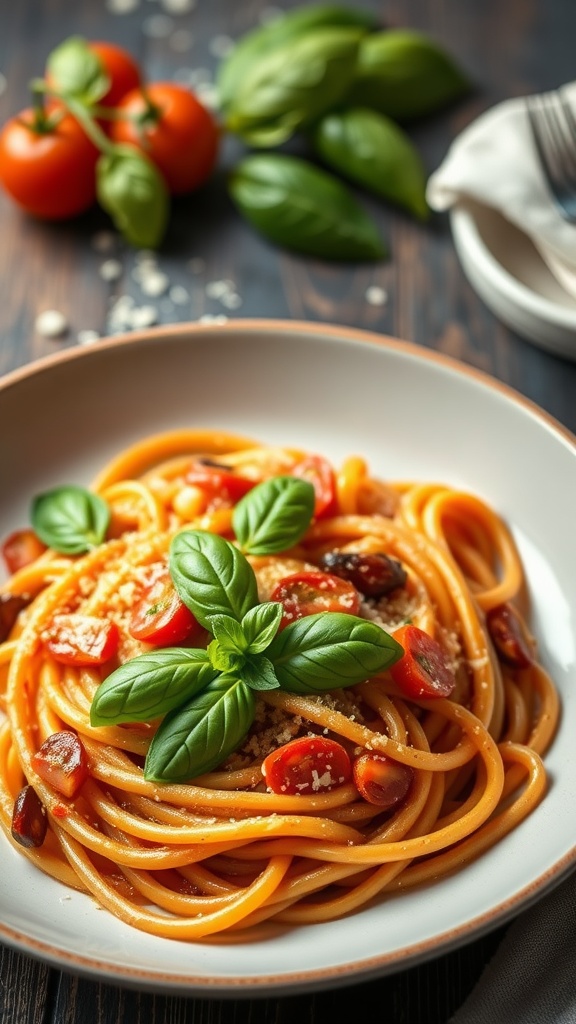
(376,295)
(111,270)
(87,337)
(51,324)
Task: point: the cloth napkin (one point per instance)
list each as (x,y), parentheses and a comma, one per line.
(494,161)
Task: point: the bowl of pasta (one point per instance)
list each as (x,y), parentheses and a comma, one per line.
(287,661)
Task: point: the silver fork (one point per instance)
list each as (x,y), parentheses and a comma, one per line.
(553,125)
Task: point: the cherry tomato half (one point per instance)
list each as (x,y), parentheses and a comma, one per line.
(174,129)
(48,167)
(21,548)
(320,474)
(121,68)
(424,670)
(380,780)
(220,486)
(75,639)
(306,593)
(311,764)
(159,616)
(62,762)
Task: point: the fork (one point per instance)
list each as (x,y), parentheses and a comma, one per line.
(553,126)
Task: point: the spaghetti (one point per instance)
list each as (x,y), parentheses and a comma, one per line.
(223,851)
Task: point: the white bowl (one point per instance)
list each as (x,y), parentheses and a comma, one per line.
(509,274)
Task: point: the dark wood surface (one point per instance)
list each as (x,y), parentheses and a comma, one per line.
(507,49)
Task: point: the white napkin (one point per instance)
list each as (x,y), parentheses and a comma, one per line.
(494,162)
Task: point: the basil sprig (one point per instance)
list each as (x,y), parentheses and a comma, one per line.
(71,520)
(75,69)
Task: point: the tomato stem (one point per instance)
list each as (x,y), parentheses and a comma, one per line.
(41,89)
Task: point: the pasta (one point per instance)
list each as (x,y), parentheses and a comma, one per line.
(223,851)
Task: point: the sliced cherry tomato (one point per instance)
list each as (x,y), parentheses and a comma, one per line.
(221,486)
(29,821)
(311,764)
(62,762)
(75,639)
(320,474)
(21,548)
(121,68)
(380,780)
(306,593)
(174,129)
(424,670)
(509,636)
(159,616)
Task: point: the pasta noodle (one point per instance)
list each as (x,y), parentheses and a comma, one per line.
(222,852)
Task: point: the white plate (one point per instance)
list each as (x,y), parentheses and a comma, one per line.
(336,391)
(512,278)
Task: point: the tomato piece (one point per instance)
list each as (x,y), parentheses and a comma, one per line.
(21,548)
(320,474)
(381,780)
(62,762)
(121,68)
(373,574)
(29,821)
(509,636)
(159,617)
(311,764)
(424,670)
(170,125)
(75,639)
(306,593)
(221,485)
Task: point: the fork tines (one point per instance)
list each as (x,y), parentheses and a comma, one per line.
(553,124)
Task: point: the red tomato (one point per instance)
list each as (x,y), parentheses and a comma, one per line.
(75,639)
(48,168)
(320,474)
(306,593)
(29,821)
(21,548)
(220,485)
(172,127)
(311,764)
(121,68)
(160,617)
(424,670)
(62,762)
(380,780)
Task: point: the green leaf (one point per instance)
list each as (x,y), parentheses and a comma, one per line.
(371,150)
(73,68)
(229,633)
(301,207)
(211,576)
(259,674)
(70,519)
(198,736)
(405,75)
(274,515)
(150,685)
(134,193)
(223,659)
(260,625)
(330,650)
(293,84)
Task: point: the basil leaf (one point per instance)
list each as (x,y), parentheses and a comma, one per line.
(73,68)
(198,736)
(300,207)
(211,576)
(292,85)
(330,650)
(255,44)
(260,625)
(405,75)
(371,150)
(223,659)
(150,685)
(71,520)
(274,515)
(259,674)
(134,193)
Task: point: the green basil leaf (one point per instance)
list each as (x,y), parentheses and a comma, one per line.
(223,659)
(255,44)
(260,626)
(228,633)
(301,207)
(134,193)
(330,650)
(198,736)
(371,150)
(150,685)
(274,515)
(293,84)
(74,69)
(405,75)
(259,674)
(71,520)
(211,576)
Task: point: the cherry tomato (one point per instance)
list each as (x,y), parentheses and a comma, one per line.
(159,616)
(380,780)
(48,165)
(311,764)
(21,548)
(320,474)
(62,762)
(424,670)
(509,636)
(306,593)
(121,68)
(29,821)
(172,127)
(75,639)
(221,486)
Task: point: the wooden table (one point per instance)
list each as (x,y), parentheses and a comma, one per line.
(508,49)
